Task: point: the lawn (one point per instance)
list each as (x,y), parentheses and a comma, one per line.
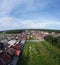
(39,53)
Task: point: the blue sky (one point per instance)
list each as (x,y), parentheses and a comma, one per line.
(27,14)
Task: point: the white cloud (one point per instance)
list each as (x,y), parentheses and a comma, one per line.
(7,6)
(16,23)
(7,22)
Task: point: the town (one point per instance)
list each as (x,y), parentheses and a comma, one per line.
(29,32)
(12,45)
(10,48)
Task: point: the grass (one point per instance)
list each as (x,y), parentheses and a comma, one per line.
(39,53)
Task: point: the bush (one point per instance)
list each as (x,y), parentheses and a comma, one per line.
(1,45)
(50,39)
(58,41)
(53,40)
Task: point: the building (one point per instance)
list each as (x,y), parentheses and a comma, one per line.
(12,42)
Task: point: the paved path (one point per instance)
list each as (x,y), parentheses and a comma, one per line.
(34,40)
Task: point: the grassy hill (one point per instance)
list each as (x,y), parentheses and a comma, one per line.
(39,53)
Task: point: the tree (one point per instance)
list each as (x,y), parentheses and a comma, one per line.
(58,41)
(49,38)
(53,40)
(1,45)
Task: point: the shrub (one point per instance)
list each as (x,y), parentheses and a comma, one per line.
(53,40)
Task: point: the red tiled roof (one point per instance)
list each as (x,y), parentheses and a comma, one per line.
(4,58)
(17,52)
(17,46)
(1,62)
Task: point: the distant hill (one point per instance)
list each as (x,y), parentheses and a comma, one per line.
(21,30)
(12,31)
(47,30)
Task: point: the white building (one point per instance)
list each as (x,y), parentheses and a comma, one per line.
(11,42)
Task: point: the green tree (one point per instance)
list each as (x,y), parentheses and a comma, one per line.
(58,41)
(49,38)
(1,45)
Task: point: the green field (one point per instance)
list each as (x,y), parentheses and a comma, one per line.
(39,53)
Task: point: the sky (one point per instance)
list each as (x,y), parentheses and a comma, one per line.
(29,14)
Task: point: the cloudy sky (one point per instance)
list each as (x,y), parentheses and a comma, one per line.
(27,14)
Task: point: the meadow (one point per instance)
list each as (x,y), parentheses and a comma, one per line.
(39,53)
